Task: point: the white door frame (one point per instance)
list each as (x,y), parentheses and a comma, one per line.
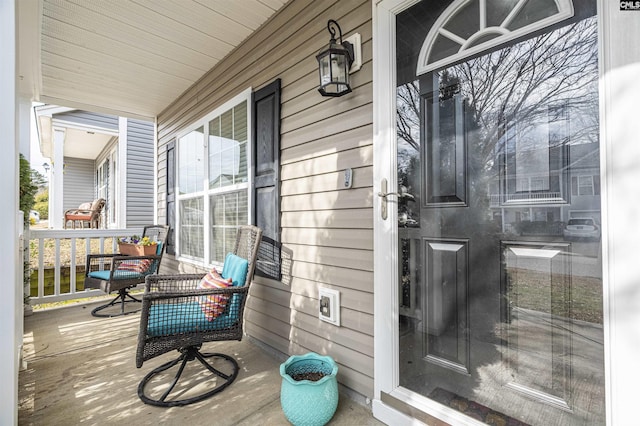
(620,147)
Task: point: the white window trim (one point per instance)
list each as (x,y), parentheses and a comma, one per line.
(245,96)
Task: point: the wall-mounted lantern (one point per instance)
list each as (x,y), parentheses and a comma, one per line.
(334,64)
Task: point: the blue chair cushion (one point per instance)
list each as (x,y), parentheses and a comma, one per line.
(177,318)
(235,268)
(117,275)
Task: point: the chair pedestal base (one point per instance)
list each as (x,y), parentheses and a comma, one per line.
(189,354)
(123,298)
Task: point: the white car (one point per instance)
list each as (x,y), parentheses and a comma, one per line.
(582,228)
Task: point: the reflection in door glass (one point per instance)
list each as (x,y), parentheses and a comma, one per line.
(500,284)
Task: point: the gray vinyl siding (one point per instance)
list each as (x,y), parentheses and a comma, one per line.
(327,232)
(79,182)
(140,180)
(87,118)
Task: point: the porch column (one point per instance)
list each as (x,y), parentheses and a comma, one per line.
(10,264)
(120,189)
(56,191)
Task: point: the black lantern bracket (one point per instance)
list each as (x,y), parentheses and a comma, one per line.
(353,44)
(356,51)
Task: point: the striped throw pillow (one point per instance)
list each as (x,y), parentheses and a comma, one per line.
(213,305)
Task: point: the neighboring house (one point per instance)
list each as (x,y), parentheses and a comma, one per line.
(401,195)
(543,201)
(87,152)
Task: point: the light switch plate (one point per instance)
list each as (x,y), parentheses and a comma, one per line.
(329,309)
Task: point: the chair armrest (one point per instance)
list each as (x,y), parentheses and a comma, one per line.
(112,262)
(159,288)
(77,212)
(99,259)
(102,255)
(119,257)
(189,295)
(97,262)
(168,283)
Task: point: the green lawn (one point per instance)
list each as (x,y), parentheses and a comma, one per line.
(576,297)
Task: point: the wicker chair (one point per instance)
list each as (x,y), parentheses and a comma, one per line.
(173,318)
(116,272)
(90,213)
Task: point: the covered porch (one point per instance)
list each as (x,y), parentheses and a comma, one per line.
(81,370)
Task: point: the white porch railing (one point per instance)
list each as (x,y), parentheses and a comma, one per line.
(525,198)
(59,250)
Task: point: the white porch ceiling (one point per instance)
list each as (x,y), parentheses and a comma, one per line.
(128,57)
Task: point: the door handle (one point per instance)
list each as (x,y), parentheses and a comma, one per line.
(383,198)
(383,194)
(398,194)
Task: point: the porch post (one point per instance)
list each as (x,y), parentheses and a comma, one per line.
(56,191)
(11,301)
(120,190)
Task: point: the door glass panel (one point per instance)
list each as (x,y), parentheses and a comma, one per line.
(533,11)
(500,282)
(465,22)
(445,148)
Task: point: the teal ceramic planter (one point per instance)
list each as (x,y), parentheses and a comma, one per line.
(305,402)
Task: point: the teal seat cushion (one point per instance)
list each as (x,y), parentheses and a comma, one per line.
(177,318)
(117,275)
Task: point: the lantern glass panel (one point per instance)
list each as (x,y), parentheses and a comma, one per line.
(325,70)
(338,68)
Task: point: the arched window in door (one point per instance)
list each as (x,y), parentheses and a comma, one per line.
(467,27)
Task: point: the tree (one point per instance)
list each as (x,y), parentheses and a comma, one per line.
(547,83)
(27,187)
(556,70)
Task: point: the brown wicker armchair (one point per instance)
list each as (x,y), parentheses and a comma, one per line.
(89,213)
(175,315)
(116,272)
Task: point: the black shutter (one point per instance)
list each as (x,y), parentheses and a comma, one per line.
(171,196)
(266,191)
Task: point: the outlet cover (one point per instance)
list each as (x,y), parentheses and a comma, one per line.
(329,309)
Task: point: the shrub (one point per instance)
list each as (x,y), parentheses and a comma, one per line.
(42,204)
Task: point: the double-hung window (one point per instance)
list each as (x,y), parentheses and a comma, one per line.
(214,182)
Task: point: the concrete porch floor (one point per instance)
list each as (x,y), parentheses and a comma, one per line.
(81,370)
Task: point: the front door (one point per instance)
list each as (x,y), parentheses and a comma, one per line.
(495,212)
